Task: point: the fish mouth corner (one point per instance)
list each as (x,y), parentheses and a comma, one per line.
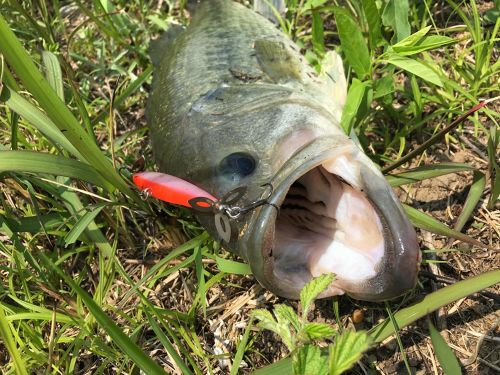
(337,214)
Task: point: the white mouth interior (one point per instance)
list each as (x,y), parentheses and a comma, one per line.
(326,224)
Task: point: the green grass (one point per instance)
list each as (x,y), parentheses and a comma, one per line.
(77,290)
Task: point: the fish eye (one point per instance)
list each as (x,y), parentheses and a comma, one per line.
(238,163)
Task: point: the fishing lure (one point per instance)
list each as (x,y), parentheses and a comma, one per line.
(177,191)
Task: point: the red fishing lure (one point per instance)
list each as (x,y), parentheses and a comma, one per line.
(169,188)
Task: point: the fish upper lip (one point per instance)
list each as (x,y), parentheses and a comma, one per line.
(399,232)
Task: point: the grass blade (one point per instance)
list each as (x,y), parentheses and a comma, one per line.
(434,301)
(445,355)
(8,341)
(474,196)
(426,222)
(435,138)
(141,359)
(38,162)
(38,119)
(56,109)
(425,172)
(231,266)
(238,357)
(81,225)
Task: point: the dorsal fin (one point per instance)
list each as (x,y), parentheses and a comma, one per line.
(158,46)
(271,9)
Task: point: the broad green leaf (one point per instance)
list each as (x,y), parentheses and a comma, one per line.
(318,330)
(425,172)
(286,313)
(374,23)
(426,44)
(318,38)
(412,39)
(353,102)
(415,67)
(38,162)
(309,361)
(81,225)
(474,196)
(383,86)
(312,290)
(445,355)
(353,43)
(130,348)
(346,350)
(426,222)
(395,15)
(231,266)
(6,333)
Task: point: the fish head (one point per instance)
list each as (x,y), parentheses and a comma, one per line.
(330,211)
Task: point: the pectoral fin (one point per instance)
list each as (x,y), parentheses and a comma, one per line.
(278,60)
(333,78)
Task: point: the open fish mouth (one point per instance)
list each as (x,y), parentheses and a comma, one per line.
(336,214)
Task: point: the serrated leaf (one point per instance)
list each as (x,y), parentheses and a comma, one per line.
(415,67)
(265,318)
(347,350)
(353,43)
(309,361)
(395,15)
(318,330)
(312,290)
(445,355)
(425,172)
(281,328)
(286,313)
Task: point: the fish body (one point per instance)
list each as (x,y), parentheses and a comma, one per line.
(235,104)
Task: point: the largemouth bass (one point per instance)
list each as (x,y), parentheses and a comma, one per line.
(234,104)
